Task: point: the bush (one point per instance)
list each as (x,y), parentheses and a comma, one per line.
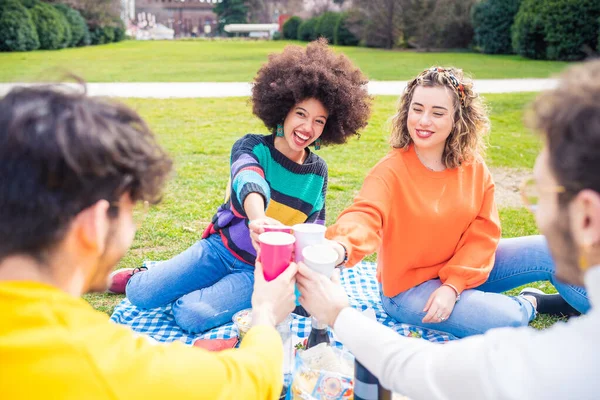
(119,29)
(447,26)
(102,35)
(276,36)
(306,30)
(556,29)
(30,3)
(570,28)
(492,21)
(17,30)
(326,25)
(290,28)
(52,27)
(80,34)
(348,23)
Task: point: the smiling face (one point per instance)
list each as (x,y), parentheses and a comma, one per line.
(430,117)
(302,126)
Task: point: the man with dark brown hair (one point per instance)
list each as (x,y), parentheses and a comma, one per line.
(72,171)
(561,362)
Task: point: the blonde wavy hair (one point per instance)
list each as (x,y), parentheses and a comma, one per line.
(471,123)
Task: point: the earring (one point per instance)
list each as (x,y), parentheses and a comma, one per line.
(279,130)
(317,144)
(584,264)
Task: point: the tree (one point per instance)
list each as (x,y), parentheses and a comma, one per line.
(383,26)
(17,30)
(264,11)
(492,21)
(231,12)
(96,12)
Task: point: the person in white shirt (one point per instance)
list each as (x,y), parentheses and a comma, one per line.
(561,362)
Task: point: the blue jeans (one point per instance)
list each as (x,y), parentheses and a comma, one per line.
(206,284)
(518,261)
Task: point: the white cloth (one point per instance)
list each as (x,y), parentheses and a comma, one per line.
(562,362)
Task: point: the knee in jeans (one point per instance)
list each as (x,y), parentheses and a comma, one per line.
(139,298)
(513,320)
(193,318)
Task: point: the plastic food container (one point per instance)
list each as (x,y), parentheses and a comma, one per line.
(243,322)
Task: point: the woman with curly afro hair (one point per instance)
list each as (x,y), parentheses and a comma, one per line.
(428,209)
(306,97)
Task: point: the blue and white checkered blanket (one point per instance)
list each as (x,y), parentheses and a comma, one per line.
(360,284)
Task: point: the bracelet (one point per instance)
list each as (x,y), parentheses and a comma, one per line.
(345,260)
(455,291)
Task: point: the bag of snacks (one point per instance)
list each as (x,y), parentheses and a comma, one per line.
(323,373)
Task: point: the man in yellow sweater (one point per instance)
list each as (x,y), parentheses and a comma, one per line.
(72,171)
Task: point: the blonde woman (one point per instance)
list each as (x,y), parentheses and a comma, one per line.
(428,209)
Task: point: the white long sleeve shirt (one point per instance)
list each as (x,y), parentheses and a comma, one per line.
(562,362)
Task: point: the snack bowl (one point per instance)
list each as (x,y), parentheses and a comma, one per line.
(243,322)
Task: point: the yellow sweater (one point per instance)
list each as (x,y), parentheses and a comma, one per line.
(55,346)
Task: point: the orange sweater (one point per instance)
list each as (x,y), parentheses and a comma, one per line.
(424,224)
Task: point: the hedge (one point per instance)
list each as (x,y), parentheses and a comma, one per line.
(80,34)
(326,25)
(492,21)
(17,30)
(52,27)
(306,30)
(290,28)
(343,35)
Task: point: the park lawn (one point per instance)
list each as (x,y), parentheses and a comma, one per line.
(199,133)
(238,61)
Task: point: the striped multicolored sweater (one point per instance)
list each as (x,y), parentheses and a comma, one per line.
(294,193)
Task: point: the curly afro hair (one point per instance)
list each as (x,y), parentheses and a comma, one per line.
(315,72)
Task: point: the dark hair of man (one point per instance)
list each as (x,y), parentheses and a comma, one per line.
(61,152)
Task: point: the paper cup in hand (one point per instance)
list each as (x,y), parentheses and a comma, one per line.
(320,258)
(275,252)
(307,235)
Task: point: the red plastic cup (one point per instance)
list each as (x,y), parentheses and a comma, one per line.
(275,252)
(278,228)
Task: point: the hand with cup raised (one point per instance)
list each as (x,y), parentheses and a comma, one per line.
(257,226)
(321,296)
(273,301)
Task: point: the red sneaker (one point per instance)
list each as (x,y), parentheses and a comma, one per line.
(120,277)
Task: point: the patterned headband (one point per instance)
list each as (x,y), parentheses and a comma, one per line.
(453,81)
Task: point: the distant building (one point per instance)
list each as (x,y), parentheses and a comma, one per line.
(185,17)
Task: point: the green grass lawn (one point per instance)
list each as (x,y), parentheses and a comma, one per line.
(198,133)
(231,61)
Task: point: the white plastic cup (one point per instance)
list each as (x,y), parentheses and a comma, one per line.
(320,258)
(307,235)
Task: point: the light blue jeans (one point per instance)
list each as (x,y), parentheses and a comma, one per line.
(206,284)
(519,261)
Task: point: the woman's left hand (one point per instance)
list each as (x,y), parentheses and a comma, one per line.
(440,305)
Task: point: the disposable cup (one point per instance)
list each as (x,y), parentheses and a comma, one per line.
(278,228)
(320,258)
(275,252)
(307,235)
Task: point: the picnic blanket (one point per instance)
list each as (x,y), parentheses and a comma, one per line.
(360,284)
